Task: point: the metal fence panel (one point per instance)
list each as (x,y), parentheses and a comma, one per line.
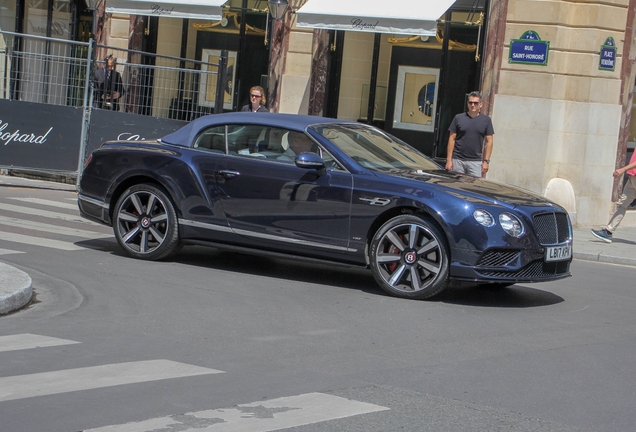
(44,70)
(38,72)
(160,86)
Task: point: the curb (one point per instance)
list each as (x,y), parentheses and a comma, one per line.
(16,289)
(604,258)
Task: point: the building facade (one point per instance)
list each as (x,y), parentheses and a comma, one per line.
(556,75)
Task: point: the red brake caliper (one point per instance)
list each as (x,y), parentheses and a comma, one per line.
(394,250)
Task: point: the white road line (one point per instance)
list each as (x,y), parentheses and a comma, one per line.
(38,226)
(64,381)
(46,202)
(43,213)
(39,241)
(263,416)
(9,252)
(30,341)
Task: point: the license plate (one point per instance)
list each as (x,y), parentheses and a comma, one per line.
(558,253)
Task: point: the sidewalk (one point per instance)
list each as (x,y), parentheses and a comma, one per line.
(622,250)
(16,291)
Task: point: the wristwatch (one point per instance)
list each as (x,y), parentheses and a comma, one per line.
(487,160)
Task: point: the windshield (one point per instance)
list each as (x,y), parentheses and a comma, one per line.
(375,149)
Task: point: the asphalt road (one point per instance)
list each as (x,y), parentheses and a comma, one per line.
(224,341)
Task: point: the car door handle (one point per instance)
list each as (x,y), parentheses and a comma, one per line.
(229,174)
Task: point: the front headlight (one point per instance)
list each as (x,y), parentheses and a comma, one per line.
(484,218)
(511,225)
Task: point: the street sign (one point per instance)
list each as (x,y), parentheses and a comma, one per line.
(607,57)
(529,49)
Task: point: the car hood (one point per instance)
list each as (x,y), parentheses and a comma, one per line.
(475,189)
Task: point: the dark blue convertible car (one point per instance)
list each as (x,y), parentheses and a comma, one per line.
(322,189)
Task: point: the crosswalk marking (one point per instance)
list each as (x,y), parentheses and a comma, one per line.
(34,240)
(44,213)
(63,381)
(38,226)
(263,416)
(46,202)
(8,251)
(30,341)
(39,241)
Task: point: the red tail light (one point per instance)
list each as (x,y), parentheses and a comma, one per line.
(88,160)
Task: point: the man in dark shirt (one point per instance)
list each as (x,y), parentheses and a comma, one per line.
(466,151)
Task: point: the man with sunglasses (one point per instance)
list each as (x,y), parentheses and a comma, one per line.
(470,141)
(257,101)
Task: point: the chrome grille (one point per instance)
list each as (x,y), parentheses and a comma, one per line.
(497,257)
(552,228)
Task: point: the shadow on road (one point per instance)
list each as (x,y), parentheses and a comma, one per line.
(281,268)
(515,296)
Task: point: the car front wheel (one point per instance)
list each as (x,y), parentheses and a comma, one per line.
(145,223)
(409,258)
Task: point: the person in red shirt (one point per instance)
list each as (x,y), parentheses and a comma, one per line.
(628,196)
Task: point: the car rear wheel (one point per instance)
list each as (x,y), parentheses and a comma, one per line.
(145,223)
(409,258)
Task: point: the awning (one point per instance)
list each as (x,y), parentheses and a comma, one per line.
(412,17)
(194,9)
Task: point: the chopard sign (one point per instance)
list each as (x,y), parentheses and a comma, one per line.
(17,136)
(127,136)
(158,10)
(357,23)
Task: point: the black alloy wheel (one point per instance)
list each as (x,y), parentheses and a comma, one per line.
(145,223)
(409,258)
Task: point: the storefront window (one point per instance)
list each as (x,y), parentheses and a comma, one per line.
(415,98)
(44,72)
(241,31)
(7,16)
(421,81)
(355,78)
(461,73)
(36,19)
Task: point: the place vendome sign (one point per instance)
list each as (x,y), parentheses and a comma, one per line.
(529,49)
(607,58)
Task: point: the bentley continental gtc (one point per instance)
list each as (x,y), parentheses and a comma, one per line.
(322,190)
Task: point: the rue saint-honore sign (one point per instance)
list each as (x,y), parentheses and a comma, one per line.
(607,58)
(529,49)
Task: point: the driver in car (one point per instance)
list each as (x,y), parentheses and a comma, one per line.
(298,143)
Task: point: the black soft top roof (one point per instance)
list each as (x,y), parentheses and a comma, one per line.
(185,135)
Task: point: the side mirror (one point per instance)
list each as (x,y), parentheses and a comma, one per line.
(311,161)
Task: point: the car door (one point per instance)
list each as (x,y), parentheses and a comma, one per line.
(202,214)
(268,200)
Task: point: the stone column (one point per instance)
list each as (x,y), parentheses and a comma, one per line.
(319,65)
(493,52)
(135,42)
(279,45)
(101,28)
